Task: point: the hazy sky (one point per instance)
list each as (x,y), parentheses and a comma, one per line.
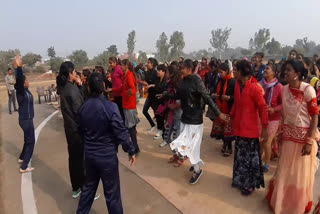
(93,25)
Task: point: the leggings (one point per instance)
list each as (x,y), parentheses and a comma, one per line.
(133,136)
(146,107)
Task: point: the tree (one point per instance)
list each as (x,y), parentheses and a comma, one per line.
(246,52)
(131,43)
(113,50)
(79,58)
(273,47)
(260,40)
(51,52)
(162,47)
(285,50)
(305,46)
(6,58)
(219,40)
(203,53)
(30,59)
(102,59)
(143,57)
(55,63)
(177,44)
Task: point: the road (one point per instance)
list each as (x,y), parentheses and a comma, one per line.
(151,186)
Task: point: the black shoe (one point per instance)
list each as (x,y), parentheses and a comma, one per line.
(223,150)
(247,192)
(195,178)
(16,110)
(10,112)
(191,169)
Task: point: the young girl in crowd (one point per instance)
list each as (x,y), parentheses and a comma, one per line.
(248,105)
(224,99)
(291,189)
(128,94)
(151,76)
(173,116)
(116,80)
(192,93)
(159,87)
(273,98)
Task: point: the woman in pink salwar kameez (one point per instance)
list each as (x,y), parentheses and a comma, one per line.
(291,189)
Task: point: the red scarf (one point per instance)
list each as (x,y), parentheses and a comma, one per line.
(223,105)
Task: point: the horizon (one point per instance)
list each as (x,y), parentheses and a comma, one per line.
(93,26)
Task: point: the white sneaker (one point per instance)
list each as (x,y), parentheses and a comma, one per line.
(163,144)
(152,130)
(158,135)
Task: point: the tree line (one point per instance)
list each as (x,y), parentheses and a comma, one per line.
(168,49)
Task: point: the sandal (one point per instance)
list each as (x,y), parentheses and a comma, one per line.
(29,169)
(179,162)
(173,159)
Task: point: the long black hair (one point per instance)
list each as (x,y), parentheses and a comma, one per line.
(65,69)
(96,84)
(298,67)
(154,62)
(175,75)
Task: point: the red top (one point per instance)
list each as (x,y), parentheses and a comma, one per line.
(246,109)
(276,103)
(117,77)
(202,74)
(129,82)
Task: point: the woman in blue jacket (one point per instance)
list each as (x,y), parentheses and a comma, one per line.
(103,130)
(26,115)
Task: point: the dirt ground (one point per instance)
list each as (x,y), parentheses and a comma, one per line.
(151,186)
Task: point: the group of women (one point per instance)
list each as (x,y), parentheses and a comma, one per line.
(265,117)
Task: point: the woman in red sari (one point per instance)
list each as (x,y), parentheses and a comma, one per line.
(291,189)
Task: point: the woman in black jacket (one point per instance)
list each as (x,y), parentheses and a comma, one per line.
(71,101)
(151,78)
(26,115)
(192,95)
(159,87)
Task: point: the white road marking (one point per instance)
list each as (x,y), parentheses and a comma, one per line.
(28,200)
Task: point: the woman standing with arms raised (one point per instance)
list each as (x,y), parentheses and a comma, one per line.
(26,115)
(291,189)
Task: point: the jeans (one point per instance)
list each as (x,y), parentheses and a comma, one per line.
(106,169)
(146,107)
(12,100)
(29,141)
(172,132)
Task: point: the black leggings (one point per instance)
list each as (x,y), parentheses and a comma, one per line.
(118,101)
(133,136)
